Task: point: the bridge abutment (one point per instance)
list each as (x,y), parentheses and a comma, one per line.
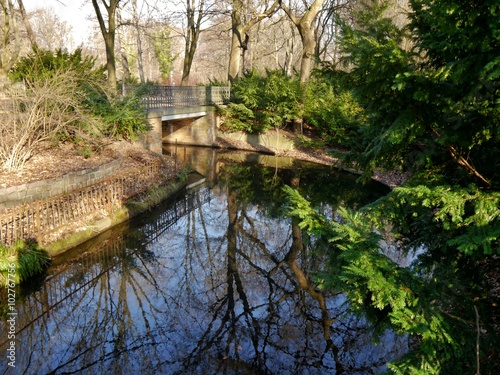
(196,126)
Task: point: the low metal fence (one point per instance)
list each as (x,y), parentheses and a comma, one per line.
(41,219)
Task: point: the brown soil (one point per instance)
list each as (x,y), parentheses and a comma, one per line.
(50,162)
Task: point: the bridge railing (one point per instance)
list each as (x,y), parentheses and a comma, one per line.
(160,97)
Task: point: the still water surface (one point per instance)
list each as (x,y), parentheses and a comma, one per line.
(215,281)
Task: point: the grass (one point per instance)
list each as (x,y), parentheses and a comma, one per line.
(25,258)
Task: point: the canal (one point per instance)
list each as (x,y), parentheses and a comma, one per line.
(216,280)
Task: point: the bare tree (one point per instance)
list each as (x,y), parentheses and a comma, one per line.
(50,31)
(303,18)
(122,40)
(328,28)
(195,14)
(10,43)
(27,25)
(138,21)
(108,33)
(240,27)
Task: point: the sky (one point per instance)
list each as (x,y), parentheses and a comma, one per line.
(71,11)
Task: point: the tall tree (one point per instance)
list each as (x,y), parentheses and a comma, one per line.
(136,23)
(307,30)
(108,31)
(432,108)
(328,28)
(27,24)
(52,33)
(240,28)
(10,43)
(195,14)
(162,44)
(122,41)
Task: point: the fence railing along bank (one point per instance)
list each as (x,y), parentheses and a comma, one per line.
(162,97)
(43,219)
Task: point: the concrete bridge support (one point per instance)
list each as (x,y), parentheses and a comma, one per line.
(152,139)
(195,126)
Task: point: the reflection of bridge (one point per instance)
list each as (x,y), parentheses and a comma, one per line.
(184,115)
(69,283)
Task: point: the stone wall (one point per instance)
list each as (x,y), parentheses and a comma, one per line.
(44,189)
(270,141)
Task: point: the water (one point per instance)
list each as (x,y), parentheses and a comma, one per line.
(214,281)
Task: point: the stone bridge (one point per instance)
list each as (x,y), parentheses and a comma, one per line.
(182,115)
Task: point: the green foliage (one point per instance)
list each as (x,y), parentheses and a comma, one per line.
(237,117)
(274,100)
(116,117)
(28,260)
(374,55)
(462,47)
(427,96)
(162,43)
(431,102)
(121,118)
(333,111)
(466,218)
(40,64)
(430,306)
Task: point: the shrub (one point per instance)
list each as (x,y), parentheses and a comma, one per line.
(260,103)
(50,107)
(334,112)
(41,64)
(237,117)
(66,99)
(120,118)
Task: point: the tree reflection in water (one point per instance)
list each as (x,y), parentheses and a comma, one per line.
(218,281)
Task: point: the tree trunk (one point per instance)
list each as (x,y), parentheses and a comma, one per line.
(140,65)
(192,37)
(123,52)
(27,24)
(306,29)
(234,58)
(305,26)
(240,38)
(108,34)
(125,65)
(10,41)
(307,35)
(290,51)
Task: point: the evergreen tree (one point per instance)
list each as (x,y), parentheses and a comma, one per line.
(432,108)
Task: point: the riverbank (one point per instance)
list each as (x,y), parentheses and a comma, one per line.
(320,156)
(50,163)
(102,198)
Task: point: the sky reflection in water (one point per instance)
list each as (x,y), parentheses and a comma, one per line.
(216,281)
